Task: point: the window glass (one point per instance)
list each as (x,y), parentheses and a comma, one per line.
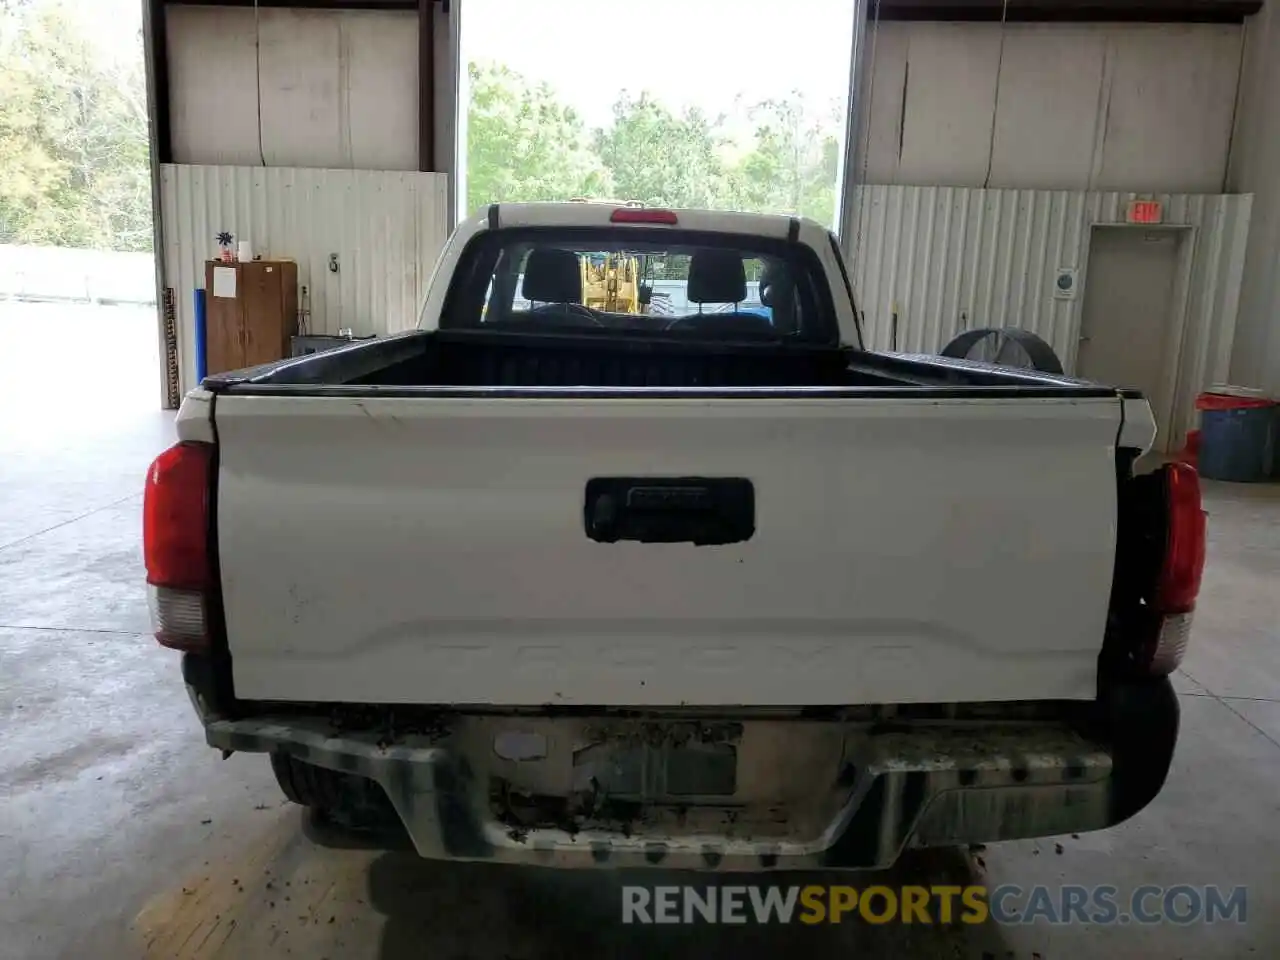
(593,279)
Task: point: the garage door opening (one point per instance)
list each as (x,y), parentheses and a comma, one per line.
(708,104)
(77,276)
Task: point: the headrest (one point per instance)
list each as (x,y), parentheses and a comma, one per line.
(776,285)
(552,276)
(717,276)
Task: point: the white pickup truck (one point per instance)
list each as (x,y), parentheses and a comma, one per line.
(719,589)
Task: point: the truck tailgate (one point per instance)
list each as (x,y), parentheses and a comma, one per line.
(435,550)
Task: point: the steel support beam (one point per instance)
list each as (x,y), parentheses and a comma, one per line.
(309,4)
(427,85)
(1051,11)
(156,50)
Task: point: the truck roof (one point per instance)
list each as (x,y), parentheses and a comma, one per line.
(576,213)
(569,214)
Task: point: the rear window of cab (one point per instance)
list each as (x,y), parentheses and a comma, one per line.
(641,281)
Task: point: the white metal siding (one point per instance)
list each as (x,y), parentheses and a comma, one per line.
(1051,106)
(387,229)
(952,259)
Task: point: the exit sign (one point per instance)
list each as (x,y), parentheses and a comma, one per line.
(1145,211)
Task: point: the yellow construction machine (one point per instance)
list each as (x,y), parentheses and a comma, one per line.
(610,282)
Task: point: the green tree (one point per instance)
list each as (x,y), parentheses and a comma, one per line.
(30,177)
(660,157)
(793,163)
(523,143)
(73,136)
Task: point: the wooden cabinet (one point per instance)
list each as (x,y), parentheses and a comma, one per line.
(251,312)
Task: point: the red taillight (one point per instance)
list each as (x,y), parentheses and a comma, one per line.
(175,543)
(175,517)
(1183,563)
(643,215)
(1181,566)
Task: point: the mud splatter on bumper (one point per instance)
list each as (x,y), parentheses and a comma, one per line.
(869,794)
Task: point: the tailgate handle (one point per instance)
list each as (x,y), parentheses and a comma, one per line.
(700,510)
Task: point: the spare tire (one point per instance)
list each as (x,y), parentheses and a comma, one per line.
(1004,346)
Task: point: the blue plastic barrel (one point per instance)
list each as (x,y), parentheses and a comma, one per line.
(1239,438)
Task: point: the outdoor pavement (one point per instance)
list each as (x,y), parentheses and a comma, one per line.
(123,836)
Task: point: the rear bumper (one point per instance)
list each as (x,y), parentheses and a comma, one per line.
(887,791)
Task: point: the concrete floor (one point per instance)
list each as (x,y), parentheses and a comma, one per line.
(122,835)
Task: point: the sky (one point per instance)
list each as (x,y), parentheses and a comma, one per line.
(115,24)
(686,52)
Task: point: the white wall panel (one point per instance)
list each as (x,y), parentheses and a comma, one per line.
(950,87)
(1049,116)
(387,229)
(1079,106)
(950,259)
(1168,115)
(1255,166)
(212,85)
(879,121)
(380,54)
(339,89)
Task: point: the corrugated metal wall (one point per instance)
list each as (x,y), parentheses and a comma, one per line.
(953,258)
(387,229)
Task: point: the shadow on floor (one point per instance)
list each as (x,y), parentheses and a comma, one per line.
(485,910)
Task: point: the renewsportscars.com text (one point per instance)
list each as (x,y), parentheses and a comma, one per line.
(1006,904)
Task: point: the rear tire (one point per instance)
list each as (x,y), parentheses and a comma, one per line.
(345,800)
(307,784)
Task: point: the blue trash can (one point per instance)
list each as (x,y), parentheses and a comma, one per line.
(1239,437)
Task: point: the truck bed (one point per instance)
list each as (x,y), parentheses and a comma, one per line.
(462,361)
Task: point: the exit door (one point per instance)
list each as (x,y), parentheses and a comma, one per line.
(1129,327)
